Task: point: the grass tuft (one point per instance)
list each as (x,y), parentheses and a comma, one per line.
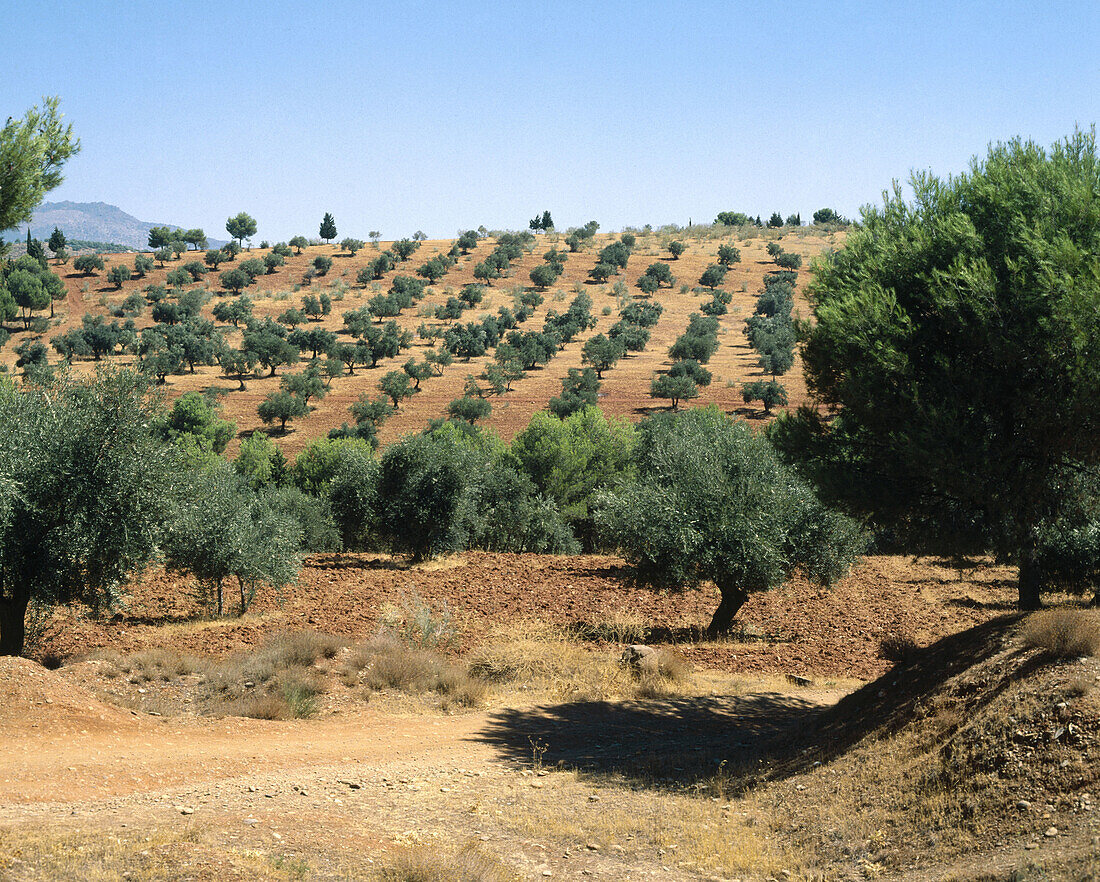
(469,865)
(1063,633)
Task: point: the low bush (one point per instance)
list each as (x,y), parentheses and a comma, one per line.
(1063,633)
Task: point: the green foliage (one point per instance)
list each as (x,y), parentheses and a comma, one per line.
(602,353)
(315,467)
(397,386)
(728,255)
(118,274)
(281,407)
(676,248)
(300,242)
(544,275)
(451,489)
(240,227)
(733,219)
(222,530)
(234,280)
(827,216)
(712,501)
(353,496)
(143,265)
(712,276)
(579,389)
(767,392)
(351,245)
(254,267)
(616,254)
(88,264)
(32,153)
(699,341)
(57,241)
(259,462)
(86,488)
(675,389)
(959,337)
(233,311)
(571,460)
(661,273)
(327,231)
(434,269)
(776,220)
(195,416)
(322,263)
(601,272)
(789,261)
(689,367)
(469,410)
(26,290)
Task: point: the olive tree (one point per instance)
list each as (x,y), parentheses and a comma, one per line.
(713,502)
(85,487)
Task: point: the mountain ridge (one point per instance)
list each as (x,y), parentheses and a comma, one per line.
(94,221)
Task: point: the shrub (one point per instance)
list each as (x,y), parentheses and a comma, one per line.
(1063,633)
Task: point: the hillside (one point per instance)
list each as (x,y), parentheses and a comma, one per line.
(625,388)
(92,221)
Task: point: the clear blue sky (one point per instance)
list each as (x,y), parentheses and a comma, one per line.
(440,116)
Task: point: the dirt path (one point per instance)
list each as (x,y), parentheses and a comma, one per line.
(327,798)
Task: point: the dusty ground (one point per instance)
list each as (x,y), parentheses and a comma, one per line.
(625,390)
(738,773)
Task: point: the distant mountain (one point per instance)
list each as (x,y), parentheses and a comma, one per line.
(95,221)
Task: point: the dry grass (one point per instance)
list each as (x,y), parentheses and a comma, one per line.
(388,663)
(1063,633)
(471,864)
(543,659)
(158,664)
(689,833)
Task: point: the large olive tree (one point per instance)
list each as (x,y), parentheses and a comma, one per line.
(85,487)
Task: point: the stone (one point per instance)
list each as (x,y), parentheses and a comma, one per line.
(1051,832)
(639,657)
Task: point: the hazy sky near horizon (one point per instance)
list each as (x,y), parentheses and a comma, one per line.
(441,116)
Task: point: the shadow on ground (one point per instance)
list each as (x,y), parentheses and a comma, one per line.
(730,743)
(677,743)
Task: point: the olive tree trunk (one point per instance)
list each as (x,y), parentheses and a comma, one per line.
(13,615)
(733,598)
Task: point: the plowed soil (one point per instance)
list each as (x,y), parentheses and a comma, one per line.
(800,629)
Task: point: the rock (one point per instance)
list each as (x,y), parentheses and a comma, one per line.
(592,846)
(185,809)
(251,821)
(593,797)
(639,657)
(1051,832)
(1023,805)
(795,680)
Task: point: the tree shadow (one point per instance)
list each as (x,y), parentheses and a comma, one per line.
(339,560)
(970,603)
(677,743)
(729,744)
